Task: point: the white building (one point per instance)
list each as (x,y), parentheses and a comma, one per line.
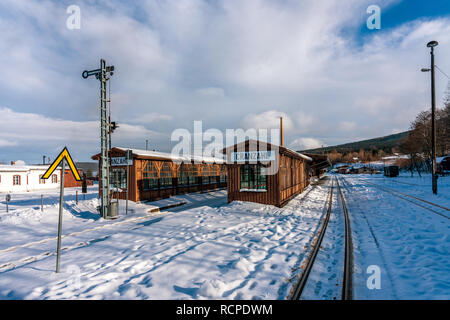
(19,178)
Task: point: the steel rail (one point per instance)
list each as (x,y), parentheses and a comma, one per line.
(347,283)
(398,193)
(313,254)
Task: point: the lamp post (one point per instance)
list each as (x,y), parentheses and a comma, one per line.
(431,45)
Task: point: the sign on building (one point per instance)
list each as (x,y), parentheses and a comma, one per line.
(252,156)
(121,161)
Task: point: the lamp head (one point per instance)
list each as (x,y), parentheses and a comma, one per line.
(425,70)
(432,44)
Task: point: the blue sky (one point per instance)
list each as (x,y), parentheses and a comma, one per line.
(231,64)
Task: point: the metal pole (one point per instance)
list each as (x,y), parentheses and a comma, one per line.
(76,197)
(128,185)
(433,124)
(105,200)
(61,199)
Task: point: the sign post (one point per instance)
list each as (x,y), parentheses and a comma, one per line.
(7,198)
(61,199)
(129,157)
(62,158)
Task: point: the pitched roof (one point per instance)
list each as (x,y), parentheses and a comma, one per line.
(267,146)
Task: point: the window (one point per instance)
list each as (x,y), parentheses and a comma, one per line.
(209,173)
(213,173)
(205,173)
(183,175)
(16,180)
(150,177)
(253,176)
(54,178)
(193,174)
(41,181)
(118,179)
(166,175)
(223,173)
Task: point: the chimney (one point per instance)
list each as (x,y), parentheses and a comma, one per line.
(281,132)
(13,163)
(43,159)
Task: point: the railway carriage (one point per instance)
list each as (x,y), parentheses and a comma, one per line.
(391,171)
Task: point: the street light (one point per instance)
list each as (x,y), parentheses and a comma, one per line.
(431,45)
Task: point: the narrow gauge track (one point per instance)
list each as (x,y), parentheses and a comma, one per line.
(443,211)
(347,284)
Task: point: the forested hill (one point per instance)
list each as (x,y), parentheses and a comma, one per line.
(385,143)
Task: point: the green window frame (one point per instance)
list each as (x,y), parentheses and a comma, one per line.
(118,179)
(183,175)
(150,176)
(166,175)
(253,177)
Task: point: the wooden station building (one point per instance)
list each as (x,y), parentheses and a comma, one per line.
(265,173)
(155,175)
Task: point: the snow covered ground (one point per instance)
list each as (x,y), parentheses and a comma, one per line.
(409,244)
(231,251)
(208,249)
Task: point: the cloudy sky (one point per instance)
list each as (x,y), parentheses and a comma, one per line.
(231,64)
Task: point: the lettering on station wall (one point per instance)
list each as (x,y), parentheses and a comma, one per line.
(252,156)
(121,161)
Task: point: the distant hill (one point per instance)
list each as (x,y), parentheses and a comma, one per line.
(385,143)
(85,166)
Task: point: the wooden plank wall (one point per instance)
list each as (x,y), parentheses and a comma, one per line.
(275,195)
(234,185)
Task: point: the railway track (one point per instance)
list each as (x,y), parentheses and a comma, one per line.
(428,205)
(347,283)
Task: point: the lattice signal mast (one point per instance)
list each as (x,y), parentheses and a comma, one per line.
(103,74)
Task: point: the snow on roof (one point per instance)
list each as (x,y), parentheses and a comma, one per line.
(401,156)
(258,142)
(300,154)
(173,157)
(15,168)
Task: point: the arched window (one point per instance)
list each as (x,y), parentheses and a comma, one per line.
(183,175)
(166,175)
(150,176)
(41,181)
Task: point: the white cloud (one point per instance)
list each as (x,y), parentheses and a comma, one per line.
(268,120)
(152,117)
(211,92)
(7,143)
(347,125)
(31,130)
(306,143)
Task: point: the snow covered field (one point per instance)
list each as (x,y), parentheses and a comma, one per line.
(410,244)
(235,251)
(208,249)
